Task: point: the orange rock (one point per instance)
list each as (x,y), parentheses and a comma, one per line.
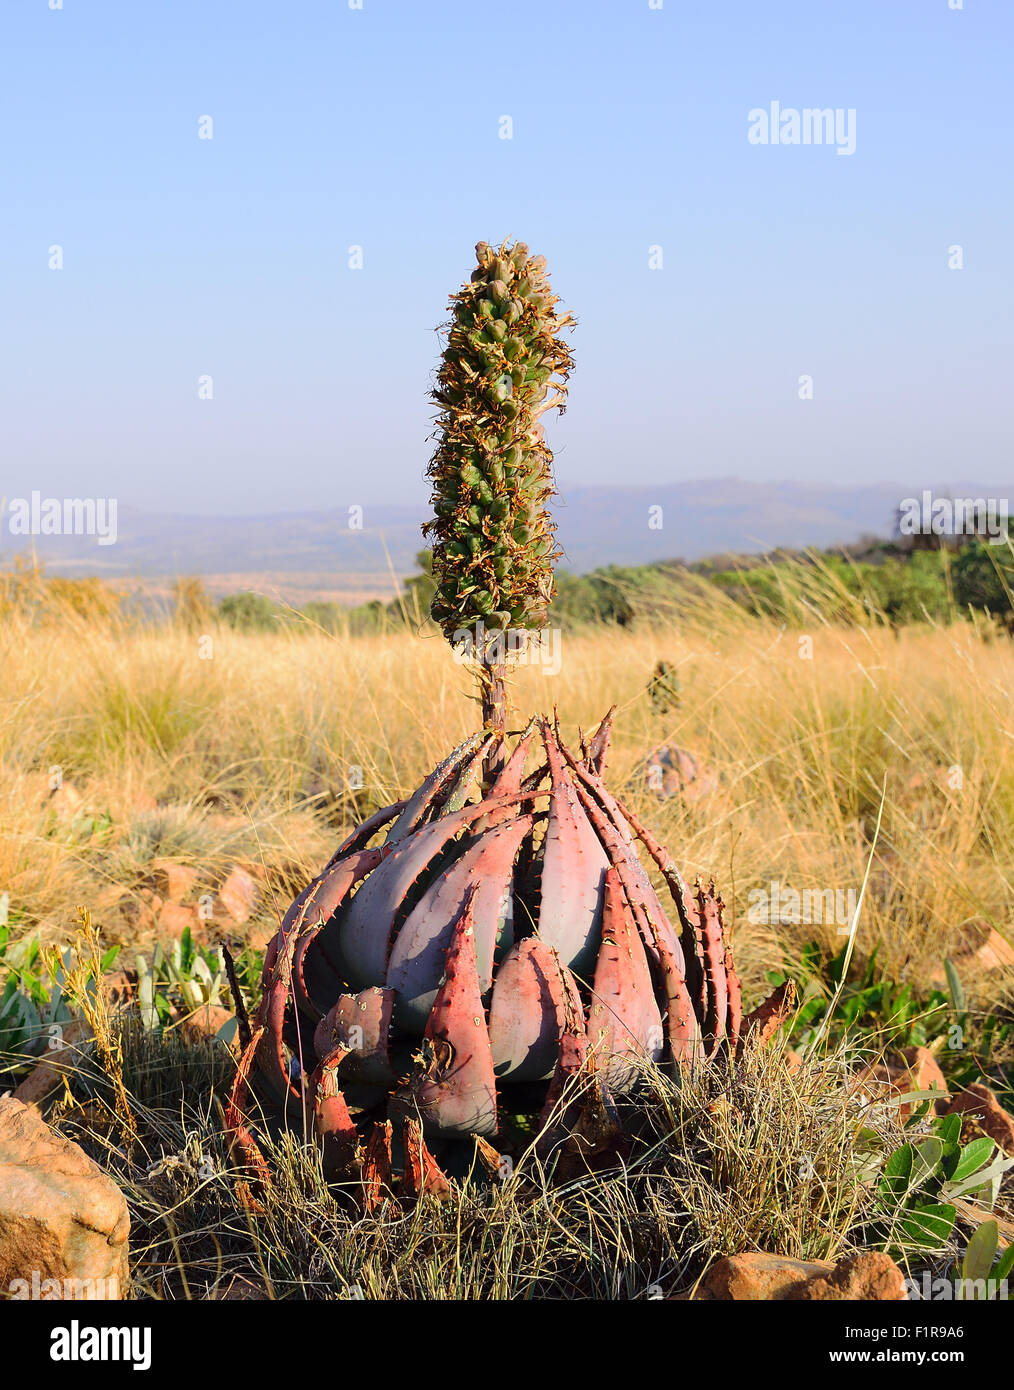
(238,895)
(176,882)
(205,1025)
(924,1069)
(995,953)
(780,1278)
(61,1218)
(871,1277)
(756,1276)
(911,1069)
(174,918)
(982,948)
(981,1104)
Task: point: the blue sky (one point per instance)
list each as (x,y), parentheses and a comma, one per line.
(380,127)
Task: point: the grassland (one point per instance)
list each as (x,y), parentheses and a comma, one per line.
(206,746)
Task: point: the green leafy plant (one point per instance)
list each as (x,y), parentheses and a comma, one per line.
(923,1179)
(34,998)
(186,976)
(869,1002)
(982,1276)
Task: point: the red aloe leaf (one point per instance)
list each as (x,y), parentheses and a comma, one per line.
(573,870)
(332,1122)
(368,923)
(533,996)
(355,843)
(623,1017)
(572,1057)
(422,799)
(685,906)
(763,1023)
(467,777)
(325,896)
(316,971)
(604,814)
(598,747)
(510,777)
(416,965)
(682,1025)
(422,1172)
(242,1146)
(377,1168)
(713,948)
(455,1089)
(364,833)
(361,1023)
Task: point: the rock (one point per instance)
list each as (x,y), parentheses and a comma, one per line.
(61,1218)
(66,801)
(871,1277)
(981,1105)
(671,771)
(982,949)
(780,1278)
(56,1063)
(911,1069)
(793,1060)
(756,1276)
(924,1069)
(995,953)
(238,895)
(205,1025)
(175,882)
(174,919)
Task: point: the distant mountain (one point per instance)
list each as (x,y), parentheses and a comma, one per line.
(303,553)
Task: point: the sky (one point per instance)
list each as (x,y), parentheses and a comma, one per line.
(381,127)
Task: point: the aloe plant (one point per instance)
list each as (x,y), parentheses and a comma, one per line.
(497,926)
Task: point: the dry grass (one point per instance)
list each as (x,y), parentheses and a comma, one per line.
(766,1159)
(254,753)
